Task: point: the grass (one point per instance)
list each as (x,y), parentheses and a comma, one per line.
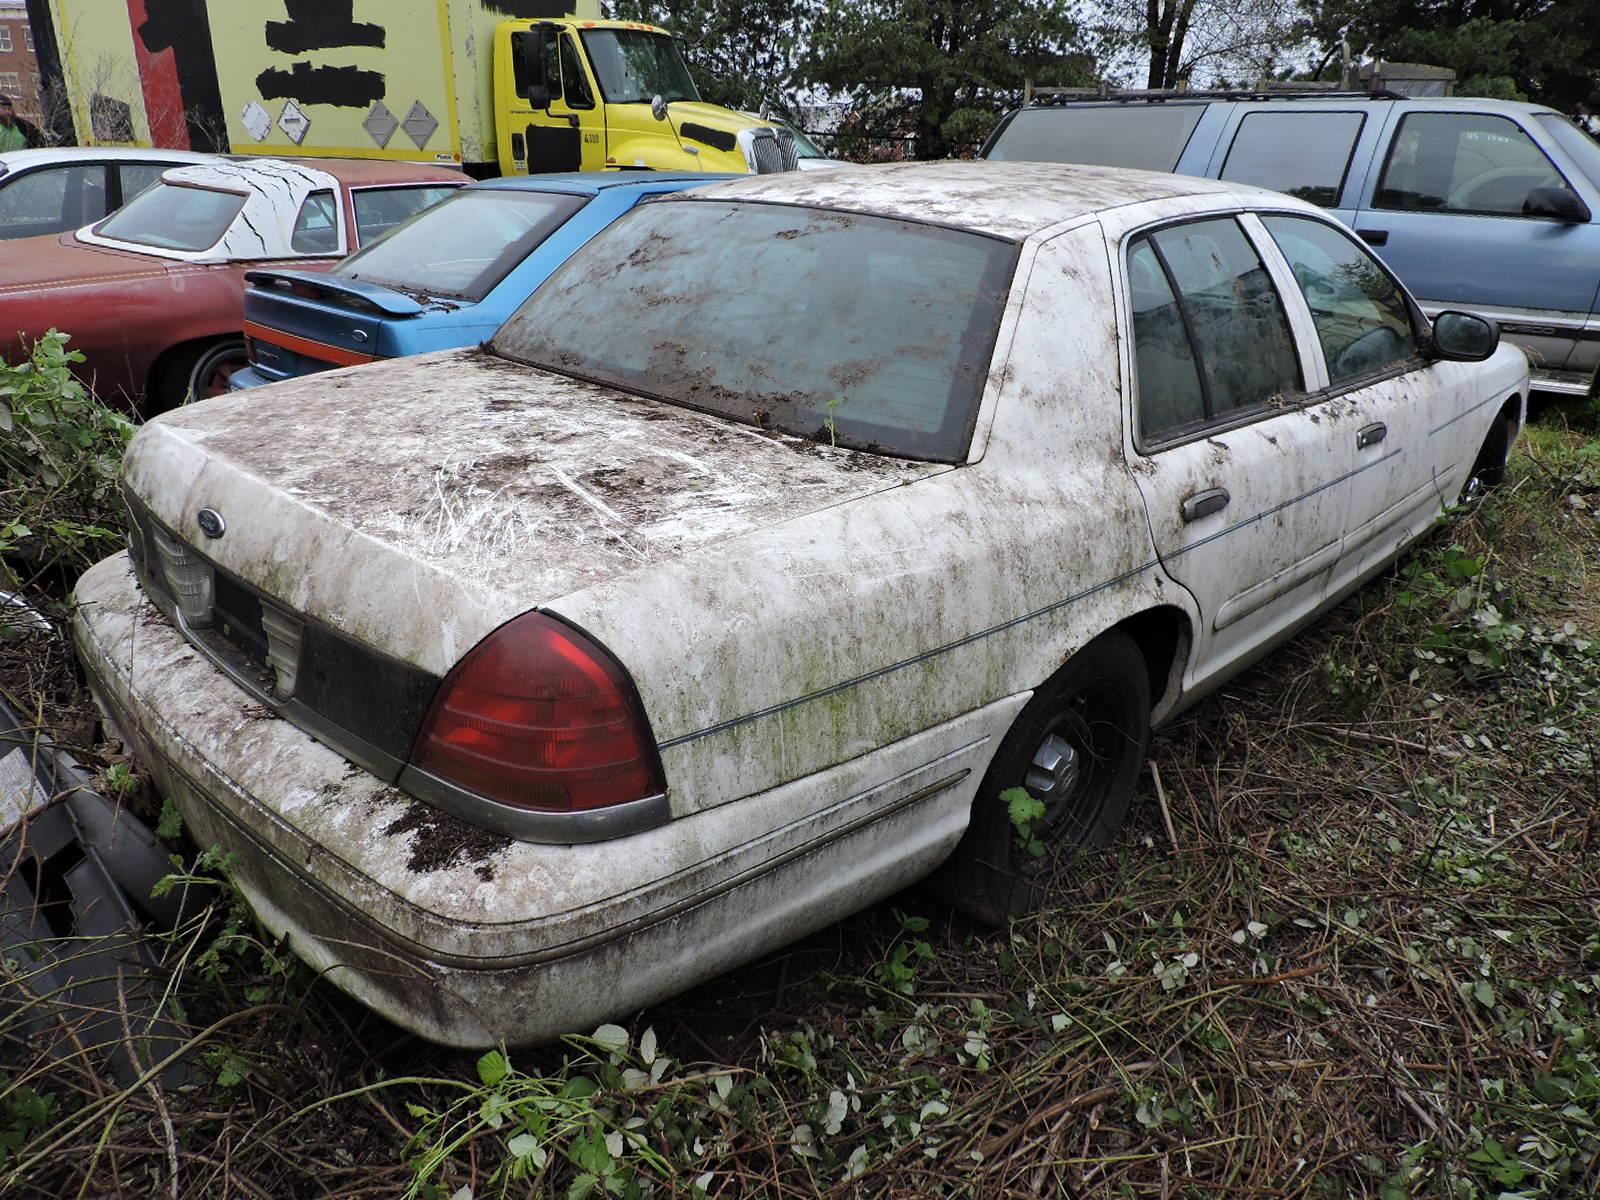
(1349,945)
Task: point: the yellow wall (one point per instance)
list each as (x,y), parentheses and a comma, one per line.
(97,54)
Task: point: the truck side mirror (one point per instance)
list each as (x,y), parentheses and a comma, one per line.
(528,52)
(1557,203)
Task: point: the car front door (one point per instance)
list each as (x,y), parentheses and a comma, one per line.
(1244,476)
(1388,403)
(1445,208)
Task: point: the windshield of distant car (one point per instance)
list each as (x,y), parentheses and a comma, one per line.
(1580,147)
(865,332)
(635,66)
(1150,137)
(462,247)
(803,145)
(171,216)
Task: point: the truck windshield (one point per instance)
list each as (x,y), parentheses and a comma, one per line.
(462,247)
(635,66)
(1149,137)
(865,332)
(169,216)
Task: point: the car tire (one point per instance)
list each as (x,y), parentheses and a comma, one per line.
(196,373)
(1098,704)
(1489,468)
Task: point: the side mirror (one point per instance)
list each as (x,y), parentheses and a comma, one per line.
(1463,337)
(658,107)
(529,50)
(1557,203)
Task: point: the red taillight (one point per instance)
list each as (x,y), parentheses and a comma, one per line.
(539,716)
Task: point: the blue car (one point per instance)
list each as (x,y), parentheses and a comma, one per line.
(447,277)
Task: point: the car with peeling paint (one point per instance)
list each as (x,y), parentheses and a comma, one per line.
(448,276)
(741,577)
(153,295)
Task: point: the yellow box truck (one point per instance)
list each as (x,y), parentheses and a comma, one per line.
(498,86)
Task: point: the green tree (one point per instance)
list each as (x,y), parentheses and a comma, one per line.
(1544,50)
(944,68)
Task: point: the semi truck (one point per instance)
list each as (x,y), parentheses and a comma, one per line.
(497,87)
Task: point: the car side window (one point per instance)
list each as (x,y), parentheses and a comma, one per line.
(316,229)
(1169,395)
(1306,154)
(1233,314)
(1361,315)
(573,80)
(1463,163)
(379,210)
(135,177)
(52,199)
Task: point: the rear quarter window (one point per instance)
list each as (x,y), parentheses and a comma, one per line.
(1148,137)
(1304,154)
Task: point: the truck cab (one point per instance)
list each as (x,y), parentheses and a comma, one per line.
(579,95)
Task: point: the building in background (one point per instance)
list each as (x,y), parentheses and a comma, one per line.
(19,69)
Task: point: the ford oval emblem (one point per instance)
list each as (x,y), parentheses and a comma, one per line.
(210,522)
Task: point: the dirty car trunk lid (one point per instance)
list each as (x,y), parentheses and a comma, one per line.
(417,504)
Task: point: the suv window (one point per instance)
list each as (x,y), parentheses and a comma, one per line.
(1234,320)
(1305,154)
(1361,315)
(1463,163)
(1150,137)
(316,229)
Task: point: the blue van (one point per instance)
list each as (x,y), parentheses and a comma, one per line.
(447,277)
(1483,204)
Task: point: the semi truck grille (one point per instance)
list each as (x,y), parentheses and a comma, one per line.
(764,153)
(352,698)
(791,152)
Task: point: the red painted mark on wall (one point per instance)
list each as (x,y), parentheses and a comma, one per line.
(158,80)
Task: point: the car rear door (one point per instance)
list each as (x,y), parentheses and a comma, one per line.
(1444,205)
(1244,476)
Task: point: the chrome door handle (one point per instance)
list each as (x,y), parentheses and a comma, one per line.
(1374,237)
(1203,504)
(1371,435)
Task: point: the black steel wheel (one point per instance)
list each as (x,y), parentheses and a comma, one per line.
(1076,748)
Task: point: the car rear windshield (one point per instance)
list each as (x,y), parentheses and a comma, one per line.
(1150,137)
(462,247)
(173,217)
(865,332)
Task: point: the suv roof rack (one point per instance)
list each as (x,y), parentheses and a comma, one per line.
(1048,96)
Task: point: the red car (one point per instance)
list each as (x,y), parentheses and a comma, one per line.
(153,295)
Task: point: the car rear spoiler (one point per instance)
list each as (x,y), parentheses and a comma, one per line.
(353,292)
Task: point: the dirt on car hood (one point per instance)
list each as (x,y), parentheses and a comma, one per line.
(417,504)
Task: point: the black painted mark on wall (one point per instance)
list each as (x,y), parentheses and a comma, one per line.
(321,25)
(183,27)
(345,87)
(529,10)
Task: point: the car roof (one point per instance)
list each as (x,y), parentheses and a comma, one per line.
(366,172)
(13,160)
(592,183)
(1005,199)
(1476,104)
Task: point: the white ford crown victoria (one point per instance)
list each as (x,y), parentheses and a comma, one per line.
(783,530)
